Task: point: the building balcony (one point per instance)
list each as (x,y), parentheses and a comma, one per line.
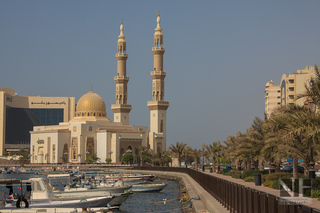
(121,55)
(121,78)
(122,106)
(158,48)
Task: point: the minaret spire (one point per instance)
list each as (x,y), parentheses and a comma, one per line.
(158,107)
(121,109)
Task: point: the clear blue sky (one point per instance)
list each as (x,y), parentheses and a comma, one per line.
(219,55)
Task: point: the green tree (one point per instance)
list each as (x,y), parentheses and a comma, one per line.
(214,151)
(24,156)
(91,158)
(143,151)
(108,160)
(178,150)
(127,158)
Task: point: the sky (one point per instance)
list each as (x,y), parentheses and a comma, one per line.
(219,55)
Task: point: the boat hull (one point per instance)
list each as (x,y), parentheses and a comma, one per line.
(147,187)
(65,203)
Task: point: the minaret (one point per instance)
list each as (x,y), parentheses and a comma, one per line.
(121,109)
(158,107)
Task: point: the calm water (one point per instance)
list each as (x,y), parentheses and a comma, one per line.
(137,202)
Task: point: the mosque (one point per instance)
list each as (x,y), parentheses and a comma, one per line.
(90,131)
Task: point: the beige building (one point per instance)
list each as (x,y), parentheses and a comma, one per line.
(90,131)
(290,86)
(272,97)
(18,115)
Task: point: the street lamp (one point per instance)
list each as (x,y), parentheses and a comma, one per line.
(203,145)
(66,154)
(87,153)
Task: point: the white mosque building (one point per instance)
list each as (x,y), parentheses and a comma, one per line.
(90,131)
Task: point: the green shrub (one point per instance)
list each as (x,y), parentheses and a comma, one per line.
(275,184)
(268,183)
(277,175)
(316,183)
(247,173)
(249,179)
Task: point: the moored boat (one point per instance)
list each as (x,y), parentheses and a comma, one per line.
(152,187)
(40,195)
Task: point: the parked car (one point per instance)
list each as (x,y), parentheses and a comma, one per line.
(290,169)
(318,173)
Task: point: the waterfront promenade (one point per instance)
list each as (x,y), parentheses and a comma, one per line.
(222,193)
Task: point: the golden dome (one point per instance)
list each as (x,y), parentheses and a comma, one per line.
(91,104)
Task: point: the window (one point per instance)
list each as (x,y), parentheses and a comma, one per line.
(90,128)
(161,126)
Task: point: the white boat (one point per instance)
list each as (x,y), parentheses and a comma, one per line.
(120,198)
(130,179)
(90,189)
(40,195)
(152,187)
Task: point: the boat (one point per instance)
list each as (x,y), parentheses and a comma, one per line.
(120,198)
(130,179)
(40,195)
(151,187)
(88,188)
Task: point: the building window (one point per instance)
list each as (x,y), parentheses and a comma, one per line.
(161,126)
(74,128)
(90,128)
(53,152)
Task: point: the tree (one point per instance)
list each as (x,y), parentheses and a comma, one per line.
(24,156)
(108,160)
(127,158)
(214,150)
(143,151)
(91,158)
(196,154)
(178,150)
(64,158)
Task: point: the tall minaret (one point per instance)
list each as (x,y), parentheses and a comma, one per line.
(121,109)
(158,107)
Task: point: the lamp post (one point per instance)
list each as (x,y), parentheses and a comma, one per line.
(66,154)
(129,151)
(87,153)
(203,145)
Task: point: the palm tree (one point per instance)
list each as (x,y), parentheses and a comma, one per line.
(178,150)
(196,154)
(258,135)
(143,151)
(214,151)
(231,150)
(91,158)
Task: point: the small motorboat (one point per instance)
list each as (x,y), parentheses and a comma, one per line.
(40,195)
(151,187)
